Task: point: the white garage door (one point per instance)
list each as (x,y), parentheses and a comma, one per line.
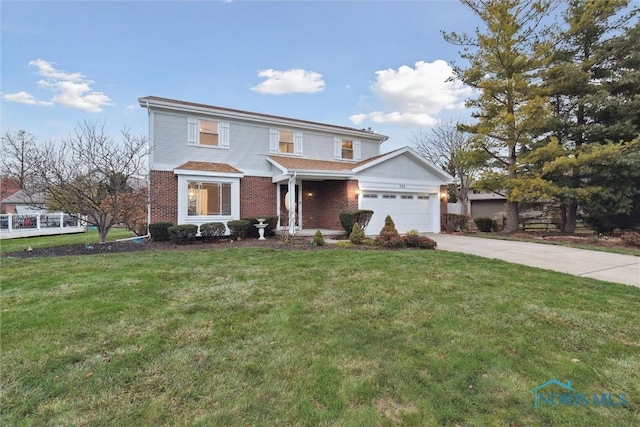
(408,211)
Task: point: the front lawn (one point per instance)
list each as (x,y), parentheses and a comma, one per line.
(254,336)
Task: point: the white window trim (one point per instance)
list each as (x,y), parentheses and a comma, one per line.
(337,149)
(193,133)
(274,142)
(183,188)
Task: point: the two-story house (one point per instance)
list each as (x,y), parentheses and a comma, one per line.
(214,164)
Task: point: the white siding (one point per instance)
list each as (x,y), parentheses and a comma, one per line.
(248,143)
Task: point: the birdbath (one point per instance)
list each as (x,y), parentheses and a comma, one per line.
(261,228)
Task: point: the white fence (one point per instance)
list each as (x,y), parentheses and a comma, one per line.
(24,225)
(455,208)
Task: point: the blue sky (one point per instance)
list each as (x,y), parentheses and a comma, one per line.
(361,64)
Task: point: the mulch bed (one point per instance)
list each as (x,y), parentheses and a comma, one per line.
(130,246)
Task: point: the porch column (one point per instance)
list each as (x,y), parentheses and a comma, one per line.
(292,204)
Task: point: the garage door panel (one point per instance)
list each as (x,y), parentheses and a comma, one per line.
(407,213)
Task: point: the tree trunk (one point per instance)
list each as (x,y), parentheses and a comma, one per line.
(512,217)
(572,213)
(563,217)
(103,234)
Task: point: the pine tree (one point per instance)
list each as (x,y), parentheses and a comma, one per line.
(504,65)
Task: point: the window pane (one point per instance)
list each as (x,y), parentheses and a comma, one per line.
(208,133)
(286,141)
(192,198)
(209,198)
(226,199)
(347,149)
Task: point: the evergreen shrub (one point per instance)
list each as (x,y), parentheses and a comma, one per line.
(159,231)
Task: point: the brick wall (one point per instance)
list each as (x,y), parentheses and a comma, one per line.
(164,196)
(257,196)
(337,196)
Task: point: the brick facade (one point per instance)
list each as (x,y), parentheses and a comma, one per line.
(164,196)
(328,198)
(257,196)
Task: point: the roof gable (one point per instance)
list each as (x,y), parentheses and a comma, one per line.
(409,152)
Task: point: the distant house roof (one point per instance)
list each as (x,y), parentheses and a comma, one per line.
(21,197)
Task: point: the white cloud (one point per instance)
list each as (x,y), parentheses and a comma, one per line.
(414,96)
(291,81)
(70,89)
(24,98)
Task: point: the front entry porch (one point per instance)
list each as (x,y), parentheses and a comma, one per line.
(315,204)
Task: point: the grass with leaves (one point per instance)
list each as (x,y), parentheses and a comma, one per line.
(254,336)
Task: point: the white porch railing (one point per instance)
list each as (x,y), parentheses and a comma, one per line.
(23,225)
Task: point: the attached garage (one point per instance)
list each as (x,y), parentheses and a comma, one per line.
(409,211)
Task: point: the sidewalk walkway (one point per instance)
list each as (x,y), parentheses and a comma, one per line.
(578,262)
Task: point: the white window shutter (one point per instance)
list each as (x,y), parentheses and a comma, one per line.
(224,134)
(337,148)
(357,152)
(192,130)
(274,137)
(297,143)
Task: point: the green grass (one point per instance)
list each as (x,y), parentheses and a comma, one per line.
(252,336)
(14,245)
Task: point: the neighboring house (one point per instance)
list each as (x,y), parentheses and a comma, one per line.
(23,204)
(214,164)
(486,205)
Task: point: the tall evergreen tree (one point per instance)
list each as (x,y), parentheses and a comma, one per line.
(594,85)
(504,64)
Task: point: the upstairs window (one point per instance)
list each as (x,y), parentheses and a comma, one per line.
(285,141)
(207,133)
(346,149)
(208,198)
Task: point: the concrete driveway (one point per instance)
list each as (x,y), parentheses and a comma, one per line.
(578,262)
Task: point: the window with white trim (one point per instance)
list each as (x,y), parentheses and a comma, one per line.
(406,196)
(423,197)
(346,149)
(207,133)
(208,198)
(285,142)
(370,196)
(388,196)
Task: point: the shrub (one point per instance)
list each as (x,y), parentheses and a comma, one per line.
(484,224)
(212,231)
(453,222)
(269,230)
(631,238)
(160,231)
(361,217)
(413,239)
(389,237)
(318,239)
(183,234)
(357,234)
(238,228)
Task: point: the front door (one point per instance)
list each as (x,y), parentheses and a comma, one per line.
(285,208)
